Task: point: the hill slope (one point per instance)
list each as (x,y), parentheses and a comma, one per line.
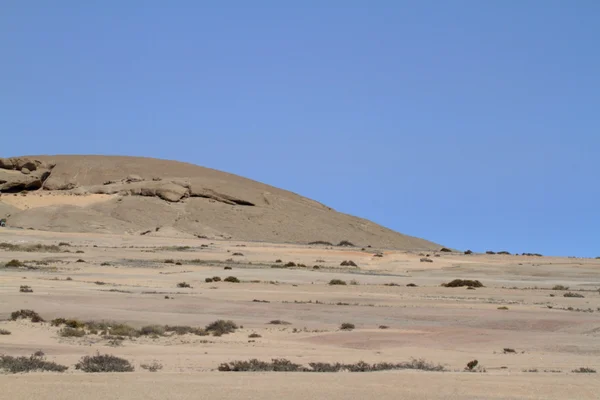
(115,194)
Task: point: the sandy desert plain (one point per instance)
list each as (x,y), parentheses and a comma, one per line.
(527,338)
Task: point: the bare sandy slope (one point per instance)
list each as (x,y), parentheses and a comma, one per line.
(125,278)
(135,195)
(47,199)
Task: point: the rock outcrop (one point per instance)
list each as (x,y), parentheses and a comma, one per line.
(19,174)
(135,195)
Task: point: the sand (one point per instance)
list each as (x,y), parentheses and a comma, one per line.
(125,278)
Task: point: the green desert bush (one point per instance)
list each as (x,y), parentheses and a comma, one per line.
(254,335)
(231,279)
(34,363)
(183,330)
(25,289)
(71,332)
(111,328)
(123,330)
(71,323)
(216,279)
(347,326)
(152,330)
(208,280)
(560,287)
(346,243)
(104,363)
(337,282)
(4,332)
(183,285)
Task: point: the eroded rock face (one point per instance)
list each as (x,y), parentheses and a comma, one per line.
(19,163)
(198,191)
(15,181)
(19,174)
(168,191)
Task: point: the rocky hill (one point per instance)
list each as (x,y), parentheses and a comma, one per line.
(144,196)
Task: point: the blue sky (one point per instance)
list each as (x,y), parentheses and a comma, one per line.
(475,124)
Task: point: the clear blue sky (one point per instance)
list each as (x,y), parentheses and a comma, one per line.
(475,124)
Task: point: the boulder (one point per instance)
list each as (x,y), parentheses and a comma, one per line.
(133,178)
(15,181)
(6,163)
(168,191)
(28,163)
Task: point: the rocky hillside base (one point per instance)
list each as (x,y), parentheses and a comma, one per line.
(24,174)
(144,196)
(20,174)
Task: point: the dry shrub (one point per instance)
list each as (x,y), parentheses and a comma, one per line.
(462,283)
(283,365)
(25,289)
(34,363)
(104,363)
(26,314)
(221,327)
(71,332)
(347,326)
(279,322)
(152,367)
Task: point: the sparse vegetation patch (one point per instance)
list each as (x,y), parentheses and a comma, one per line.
(571,294)
(34,363)
(104,363)
(221,327)
(283,365)
(26,314)
(348,263)
(347,326)
(584,370)
(462,283)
